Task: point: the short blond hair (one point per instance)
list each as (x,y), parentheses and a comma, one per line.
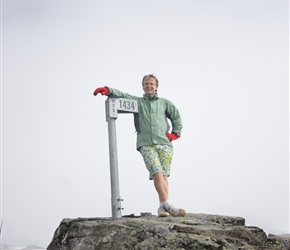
(151,76)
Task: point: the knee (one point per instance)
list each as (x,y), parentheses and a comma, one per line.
(158,176)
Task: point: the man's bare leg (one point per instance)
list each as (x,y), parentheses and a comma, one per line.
(161,186)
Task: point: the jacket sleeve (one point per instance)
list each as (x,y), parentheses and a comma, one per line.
(173,115)
(119,94)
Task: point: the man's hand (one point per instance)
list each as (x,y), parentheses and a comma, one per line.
(103,91)
(171,137)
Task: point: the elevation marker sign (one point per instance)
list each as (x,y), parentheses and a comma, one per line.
(113,107)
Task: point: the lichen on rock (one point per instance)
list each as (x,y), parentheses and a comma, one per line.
(195,231)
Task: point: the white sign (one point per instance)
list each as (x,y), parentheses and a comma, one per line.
(120,105)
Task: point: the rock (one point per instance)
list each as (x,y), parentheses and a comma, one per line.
(279,241)
(195,231)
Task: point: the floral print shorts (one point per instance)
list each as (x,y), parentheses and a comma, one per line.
(157,159)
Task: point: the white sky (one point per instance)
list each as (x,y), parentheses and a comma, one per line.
(225,64)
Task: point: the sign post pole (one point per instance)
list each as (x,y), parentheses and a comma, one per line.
(113,107)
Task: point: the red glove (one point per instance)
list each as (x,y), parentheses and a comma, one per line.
(171,137)
(103,91)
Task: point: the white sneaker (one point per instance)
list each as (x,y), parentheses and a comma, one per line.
(176,212)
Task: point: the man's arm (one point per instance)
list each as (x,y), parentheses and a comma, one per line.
(115,93)
(175,118)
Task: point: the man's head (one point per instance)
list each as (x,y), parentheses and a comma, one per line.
(150,84)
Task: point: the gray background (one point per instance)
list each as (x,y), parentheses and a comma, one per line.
(224,64)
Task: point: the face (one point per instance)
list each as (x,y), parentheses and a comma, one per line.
(149,86)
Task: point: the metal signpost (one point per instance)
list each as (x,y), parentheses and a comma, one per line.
(113,107)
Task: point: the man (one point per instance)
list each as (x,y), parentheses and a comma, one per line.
(154,141)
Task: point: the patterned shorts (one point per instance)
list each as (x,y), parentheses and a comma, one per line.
(157,159)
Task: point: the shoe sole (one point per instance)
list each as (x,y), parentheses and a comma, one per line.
(163,214)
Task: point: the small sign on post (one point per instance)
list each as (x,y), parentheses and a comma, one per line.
(120,105)
(113,107)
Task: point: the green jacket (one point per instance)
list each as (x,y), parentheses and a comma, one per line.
(151,121)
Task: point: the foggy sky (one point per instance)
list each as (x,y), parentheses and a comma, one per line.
(224,64)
